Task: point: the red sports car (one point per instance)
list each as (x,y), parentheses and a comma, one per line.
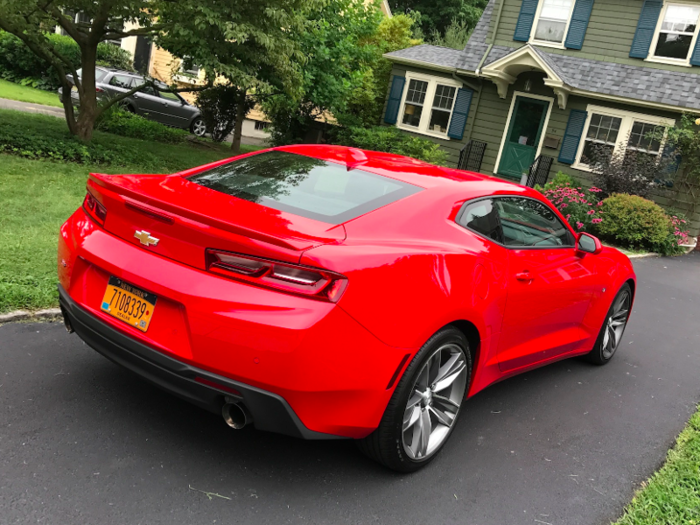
(326,292)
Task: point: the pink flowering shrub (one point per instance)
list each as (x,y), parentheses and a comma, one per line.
(580,207)
(680,230)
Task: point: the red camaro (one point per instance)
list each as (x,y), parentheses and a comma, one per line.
(325,292)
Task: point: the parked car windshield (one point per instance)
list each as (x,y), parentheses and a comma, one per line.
(313,188)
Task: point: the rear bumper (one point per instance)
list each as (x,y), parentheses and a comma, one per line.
(270,411)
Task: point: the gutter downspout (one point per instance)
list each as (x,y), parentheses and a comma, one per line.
(495,32)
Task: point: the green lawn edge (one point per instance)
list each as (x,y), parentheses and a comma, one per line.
(672,495)
(20,93)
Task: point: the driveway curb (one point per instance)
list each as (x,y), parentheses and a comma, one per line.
(24,315)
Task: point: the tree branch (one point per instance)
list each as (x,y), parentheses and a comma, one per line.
(64,21)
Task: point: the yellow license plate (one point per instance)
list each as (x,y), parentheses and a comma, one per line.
(74,88)
(128,303)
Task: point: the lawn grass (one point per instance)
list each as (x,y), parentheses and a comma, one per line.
(672,495)
(28,94)
(37,196)
(44,136)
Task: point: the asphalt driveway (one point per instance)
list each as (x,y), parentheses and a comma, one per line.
(82,441)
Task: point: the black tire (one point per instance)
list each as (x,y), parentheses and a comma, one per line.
(385,445)
(600,355)
(197,128)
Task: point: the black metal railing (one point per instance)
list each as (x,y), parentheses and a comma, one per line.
(471,156)
(539,171)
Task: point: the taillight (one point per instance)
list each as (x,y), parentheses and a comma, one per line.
(94,209)
(310,282)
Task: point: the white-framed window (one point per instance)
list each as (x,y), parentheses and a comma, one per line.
(188,68)
(261,125)
(620,131)
(676,34)
(552,22)
(427,105)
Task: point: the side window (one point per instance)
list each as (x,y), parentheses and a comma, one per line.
(148,90)
(121,81)
(527,223)
(169,95)
(482,217)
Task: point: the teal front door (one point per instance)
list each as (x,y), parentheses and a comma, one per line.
(523,136)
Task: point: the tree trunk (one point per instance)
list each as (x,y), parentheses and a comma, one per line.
(238,128)
(88,111)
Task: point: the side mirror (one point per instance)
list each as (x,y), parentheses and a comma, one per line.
(587,243)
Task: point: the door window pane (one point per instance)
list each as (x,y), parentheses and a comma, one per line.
(442,108)
(168,95)
(482,217)
(677,31)
(551,25)
(526,121)
(601,137)
(527,223)
(121,81)
(415,98)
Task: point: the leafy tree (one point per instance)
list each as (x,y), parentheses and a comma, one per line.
(456,35)
(437,16)
(366,103)
(338,49)
(249,43)
(33,20)
(255,46)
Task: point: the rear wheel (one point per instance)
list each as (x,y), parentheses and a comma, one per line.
(198,127)
(425,406)
(613,327)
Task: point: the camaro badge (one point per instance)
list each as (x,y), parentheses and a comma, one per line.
(145,238)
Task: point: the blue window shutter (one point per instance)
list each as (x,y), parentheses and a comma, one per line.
(645,28)
(528,9)
(579,24)
(674,159)
(572,136)
(460,113)
(395,94)
(695,57)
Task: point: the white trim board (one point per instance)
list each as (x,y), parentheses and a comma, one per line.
(510,116)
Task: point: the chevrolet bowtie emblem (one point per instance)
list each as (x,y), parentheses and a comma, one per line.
(145,238)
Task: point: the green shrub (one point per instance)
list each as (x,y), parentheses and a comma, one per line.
(18,64)
(560,180)
(392,140)
(635,222)
(120,122)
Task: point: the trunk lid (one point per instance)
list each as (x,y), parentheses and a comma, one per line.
(179,219)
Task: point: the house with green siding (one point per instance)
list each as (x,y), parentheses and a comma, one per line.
(541,83)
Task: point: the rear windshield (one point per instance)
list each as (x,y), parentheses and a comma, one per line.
(313,188)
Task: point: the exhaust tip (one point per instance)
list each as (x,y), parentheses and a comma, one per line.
(66,321)
(236,415)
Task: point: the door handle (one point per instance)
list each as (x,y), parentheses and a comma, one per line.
(524,276)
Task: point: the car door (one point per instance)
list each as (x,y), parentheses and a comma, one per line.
(175,111)
(148,103)
(549,285)
(118,84)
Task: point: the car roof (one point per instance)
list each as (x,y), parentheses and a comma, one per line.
(428,176)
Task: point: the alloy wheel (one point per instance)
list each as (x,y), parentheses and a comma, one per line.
(199,128)
(615,324)
(434,403)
